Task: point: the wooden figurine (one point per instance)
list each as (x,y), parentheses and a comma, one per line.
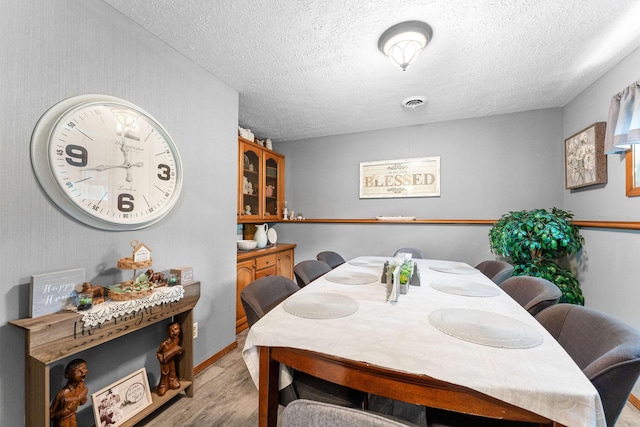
(96,290)
(168,351)
(64,406)
(157,279)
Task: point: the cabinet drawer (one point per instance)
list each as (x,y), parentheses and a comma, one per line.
(266,261)
(269,271)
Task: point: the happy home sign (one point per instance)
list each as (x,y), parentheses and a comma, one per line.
(53,292)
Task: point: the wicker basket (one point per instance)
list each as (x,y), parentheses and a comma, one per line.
(129,264)
(120,293)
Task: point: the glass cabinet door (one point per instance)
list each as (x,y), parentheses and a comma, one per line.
(271,186)
(260,183)
(251,191)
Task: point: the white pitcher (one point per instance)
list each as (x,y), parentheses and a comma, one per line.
(261,235)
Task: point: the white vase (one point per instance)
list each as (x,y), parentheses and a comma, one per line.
(260,235)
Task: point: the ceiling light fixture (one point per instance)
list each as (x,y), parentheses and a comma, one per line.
(403,42)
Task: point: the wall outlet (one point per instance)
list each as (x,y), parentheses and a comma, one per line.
(195,330)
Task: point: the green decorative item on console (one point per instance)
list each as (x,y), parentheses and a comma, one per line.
(535,241)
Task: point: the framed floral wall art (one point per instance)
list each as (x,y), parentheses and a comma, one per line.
(584,159)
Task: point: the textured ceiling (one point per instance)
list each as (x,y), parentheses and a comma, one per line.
(308,68)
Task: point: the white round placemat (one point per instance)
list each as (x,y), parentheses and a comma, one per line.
(454,268)
(351,277)
(368,262)
(485,328)
(320,305)
(466,288)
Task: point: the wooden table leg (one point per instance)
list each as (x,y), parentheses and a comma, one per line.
(268,389)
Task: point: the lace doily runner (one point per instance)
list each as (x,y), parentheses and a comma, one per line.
(108,310)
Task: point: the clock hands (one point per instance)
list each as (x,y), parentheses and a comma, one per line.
(78,129)
(125,150)
(127,165)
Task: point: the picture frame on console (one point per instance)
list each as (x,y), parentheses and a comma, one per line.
(122,400)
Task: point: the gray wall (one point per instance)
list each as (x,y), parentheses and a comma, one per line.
(489,166)
(55,49)
(609,282)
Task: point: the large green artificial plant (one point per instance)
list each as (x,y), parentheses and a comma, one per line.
(535,241)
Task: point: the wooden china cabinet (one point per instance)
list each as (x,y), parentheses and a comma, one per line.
(251,265)
(260,183)
(260,200)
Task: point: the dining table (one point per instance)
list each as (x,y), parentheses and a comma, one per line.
(455,341)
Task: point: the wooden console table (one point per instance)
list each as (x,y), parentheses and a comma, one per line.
(55,336)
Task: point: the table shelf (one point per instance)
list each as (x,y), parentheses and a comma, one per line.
(56,336)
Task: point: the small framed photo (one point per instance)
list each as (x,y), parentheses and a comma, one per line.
(119,402)
(584,159)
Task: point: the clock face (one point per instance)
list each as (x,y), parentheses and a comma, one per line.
(106,162)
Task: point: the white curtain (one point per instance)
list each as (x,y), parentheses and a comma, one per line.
(623,125)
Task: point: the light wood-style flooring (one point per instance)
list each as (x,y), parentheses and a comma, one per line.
(226,396)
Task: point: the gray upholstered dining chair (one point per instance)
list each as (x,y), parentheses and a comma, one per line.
(307,413)
(533,293)
(496,270)
(415,253)
(332,258)
(261,296)
(309,270)
(605,348)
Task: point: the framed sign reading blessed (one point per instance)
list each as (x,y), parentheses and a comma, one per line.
(400,178)
(585,161)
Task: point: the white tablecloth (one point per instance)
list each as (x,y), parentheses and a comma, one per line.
(542,379)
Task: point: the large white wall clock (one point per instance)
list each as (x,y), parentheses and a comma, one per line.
(106,162)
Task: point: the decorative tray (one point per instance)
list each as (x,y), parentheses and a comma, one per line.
(129,264)
(128,291)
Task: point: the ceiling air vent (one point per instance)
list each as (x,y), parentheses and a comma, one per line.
(414,101)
